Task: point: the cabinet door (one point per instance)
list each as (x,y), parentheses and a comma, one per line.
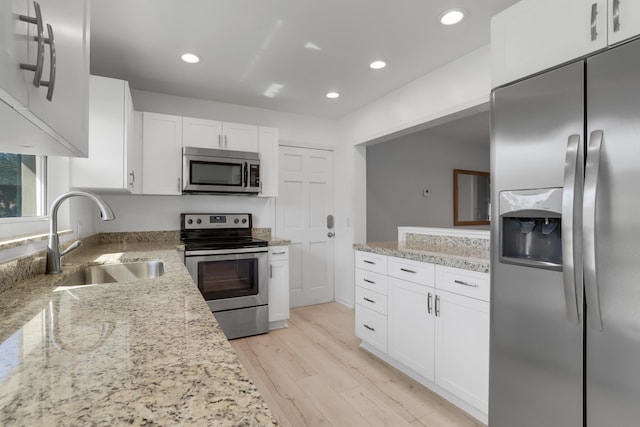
(534,35)
(106,166)
(14,82)
(462,348)
(278,290)
(201,133)
(268,149)
(136,152)
(411,326)
(161,154)
(624,20)
(240,137)
(68,111)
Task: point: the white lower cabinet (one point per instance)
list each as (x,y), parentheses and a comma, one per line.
(411,326)
(278,286)
(435,326)
(462,348)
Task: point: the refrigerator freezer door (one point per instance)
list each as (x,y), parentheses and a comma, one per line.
(536,369)
(613,354)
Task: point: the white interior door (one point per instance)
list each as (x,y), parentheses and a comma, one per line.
(305,200)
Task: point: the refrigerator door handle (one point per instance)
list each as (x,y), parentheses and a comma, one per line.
(592,169)
(571,241)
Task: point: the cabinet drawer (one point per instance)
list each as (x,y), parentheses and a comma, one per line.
(373,300)
(371,327)
(371,262)
(278,253)
(463,282)
(413,271)
(372,281)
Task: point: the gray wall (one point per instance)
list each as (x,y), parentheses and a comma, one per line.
(399,170)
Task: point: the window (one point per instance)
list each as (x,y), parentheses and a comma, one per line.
(22,185)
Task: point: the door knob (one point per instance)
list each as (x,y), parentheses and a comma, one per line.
(331,234)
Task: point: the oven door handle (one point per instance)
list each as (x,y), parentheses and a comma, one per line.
(230,252)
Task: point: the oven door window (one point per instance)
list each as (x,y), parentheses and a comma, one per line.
(228,278)
(215,173)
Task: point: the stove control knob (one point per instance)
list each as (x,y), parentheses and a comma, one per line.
(199,221)
(236,220)
(190,221)
(244,221)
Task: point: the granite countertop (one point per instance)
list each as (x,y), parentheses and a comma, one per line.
(471,257)
(276,241)
(142,353)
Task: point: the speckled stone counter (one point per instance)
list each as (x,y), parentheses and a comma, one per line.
(140,353)
(468,255)
(276,241)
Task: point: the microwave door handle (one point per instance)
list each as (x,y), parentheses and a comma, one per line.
(246,174)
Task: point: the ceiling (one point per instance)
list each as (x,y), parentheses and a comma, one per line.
(247,46)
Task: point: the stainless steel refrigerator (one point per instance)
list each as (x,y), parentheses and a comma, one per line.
(565,257)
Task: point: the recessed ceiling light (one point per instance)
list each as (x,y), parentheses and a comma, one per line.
(190,58)
(332,95)
(377,65)
(451,17)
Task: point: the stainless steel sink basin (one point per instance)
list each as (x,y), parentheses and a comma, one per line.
(115,273)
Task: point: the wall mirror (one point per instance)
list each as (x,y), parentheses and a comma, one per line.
(470,197)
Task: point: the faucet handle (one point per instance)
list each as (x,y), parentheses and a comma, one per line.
(71,247)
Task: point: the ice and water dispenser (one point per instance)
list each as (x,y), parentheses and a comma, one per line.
(530,227)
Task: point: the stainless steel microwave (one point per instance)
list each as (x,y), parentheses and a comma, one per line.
(212,171)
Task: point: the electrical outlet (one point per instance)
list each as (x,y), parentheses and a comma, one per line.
(425,192)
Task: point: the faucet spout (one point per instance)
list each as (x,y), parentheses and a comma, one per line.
(54,256)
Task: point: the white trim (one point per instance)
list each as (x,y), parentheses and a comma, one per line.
(307,145)
(437,231)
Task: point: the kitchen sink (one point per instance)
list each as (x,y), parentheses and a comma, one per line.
(115,273)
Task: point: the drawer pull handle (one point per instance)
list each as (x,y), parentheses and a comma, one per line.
(369,281)
(437,306)
(369,262)
(369,300)
(279,253)
(406,270)
(472,285)
(368,327)
(429,306)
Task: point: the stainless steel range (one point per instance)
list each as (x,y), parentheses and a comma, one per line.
(230,268)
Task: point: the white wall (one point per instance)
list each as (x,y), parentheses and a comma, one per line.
(398,171)
(459,88)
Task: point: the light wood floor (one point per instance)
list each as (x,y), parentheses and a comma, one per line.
(313,373)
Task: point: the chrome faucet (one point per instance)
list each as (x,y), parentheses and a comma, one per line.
(54,257)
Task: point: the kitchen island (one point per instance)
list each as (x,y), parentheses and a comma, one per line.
(147,352)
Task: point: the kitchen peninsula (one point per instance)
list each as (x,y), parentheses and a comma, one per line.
(422,305)
(147,352)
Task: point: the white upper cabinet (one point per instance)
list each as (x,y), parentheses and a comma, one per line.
(221,135)
(44,76)
(534,35)
(240,137)
(201,133)
(161,154)
(624,20)
(110,166)
(268,149)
